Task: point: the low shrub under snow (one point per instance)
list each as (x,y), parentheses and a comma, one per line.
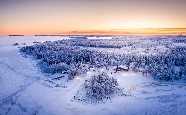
(99,88)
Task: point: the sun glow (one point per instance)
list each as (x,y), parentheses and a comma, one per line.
(136,24)
(90,17)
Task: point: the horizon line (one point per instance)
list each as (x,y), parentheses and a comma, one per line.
(125,31)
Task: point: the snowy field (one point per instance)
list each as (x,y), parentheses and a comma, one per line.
(30,84)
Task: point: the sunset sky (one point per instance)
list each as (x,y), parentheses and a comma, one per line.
(91,16)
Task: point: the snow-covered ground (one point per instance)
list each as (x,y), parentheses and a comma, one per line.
(24,90)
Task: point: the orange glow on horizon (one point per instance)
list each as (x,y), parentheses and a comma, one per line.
(30,17)
(143,31)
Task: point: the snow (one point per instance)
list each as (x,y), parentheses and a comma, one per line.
(25,90)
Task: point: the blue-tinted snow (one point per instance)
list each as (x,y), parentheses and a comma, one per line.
(24,90)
